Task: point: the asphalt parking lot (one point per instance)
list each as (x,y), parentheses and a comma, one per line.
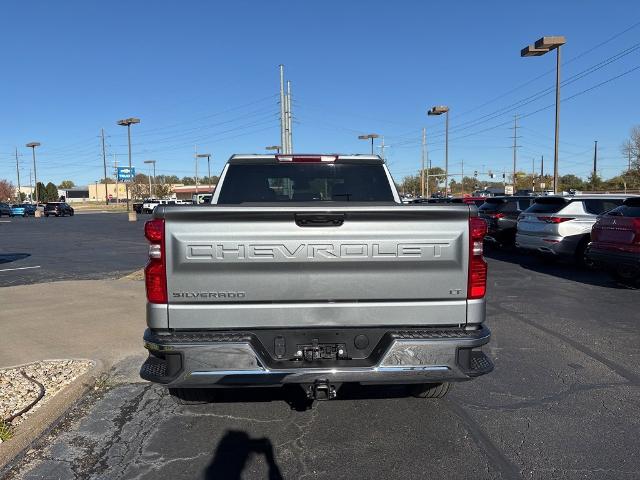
(83,247)
(563,401)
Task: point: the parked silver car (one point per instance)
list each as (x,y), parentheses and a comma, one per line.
(561,225)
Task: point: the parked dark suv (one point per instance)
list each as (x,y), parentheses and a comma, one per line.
(5,209)
(59,209)
(501,214)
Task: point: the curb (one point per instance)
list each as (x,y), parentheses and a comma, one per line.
(47,415)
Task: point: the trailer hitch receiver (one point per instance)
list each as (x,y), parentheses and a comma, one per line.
(321,390)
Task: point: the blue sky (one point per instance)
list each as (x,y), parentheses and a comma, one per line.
(206,73)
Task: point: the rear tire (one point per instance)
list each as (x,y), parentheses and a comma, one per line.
(581,254)
(431,390)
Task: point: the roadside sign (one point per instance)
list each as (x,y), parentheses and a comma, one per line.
(508,189)
(543,185)
(126,174)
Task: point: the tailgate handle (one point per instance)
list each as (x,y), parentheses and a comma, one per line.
(319,220)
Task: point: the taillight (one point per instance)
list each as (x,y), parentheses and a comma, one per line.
(155,273)
(306,158)
(497,215)
(555,219)
(477,286)
(636,228)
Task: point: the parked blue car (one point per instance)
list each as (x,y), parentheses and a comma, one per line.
(23,210)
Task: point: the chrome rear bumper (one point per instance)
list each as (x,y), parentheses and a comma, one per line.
(237,363)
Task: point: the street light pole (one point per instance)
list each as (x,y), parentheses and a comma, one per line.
(18,174)
(32,146)
(369,136)
(154,176)
(208,157)
(127,122)
(557,129)
(439,110)
(542,46)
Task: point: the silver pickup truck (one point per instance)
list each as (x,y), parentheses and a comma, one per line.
(308,270)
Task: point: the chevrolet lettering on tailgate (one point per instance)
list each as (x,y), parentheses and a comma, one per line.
(234,252)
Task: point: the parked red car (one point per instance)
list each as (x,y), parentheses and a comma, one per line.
(615,241)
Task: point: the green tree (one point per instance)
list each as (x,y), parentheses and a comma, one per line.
(39,192)
(107,180)
(594,182)
(51,192)
(188,180)
(571,182)
(167,179)
(66,184)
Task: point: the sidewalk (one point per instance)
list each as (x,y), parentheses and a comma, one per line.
(100,320)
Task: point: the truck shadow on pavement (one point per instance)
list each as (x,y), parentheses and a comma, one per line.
(233,453)
(293,395)
(556,267)
(12,257)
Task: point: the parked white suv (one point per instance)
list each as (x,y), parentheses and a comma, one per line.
(150,204)
(561,225)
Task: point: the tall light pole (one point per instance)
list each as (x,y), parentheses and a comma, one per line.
(154,176)
(18,174)
(195,157)
(439,110)
(127,122)
(370,136)
(274,147)
(542,46)
(32,146)
(208,157)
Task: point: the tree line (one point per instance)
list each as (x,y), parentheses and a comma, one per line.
(629,179)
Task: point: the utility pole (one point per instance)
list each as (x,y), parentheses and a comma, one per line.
(18,173)
(515,150)
(104,163)
(195,156)
(533,174)
(595,159)
(382,147)
(30,186)
(424,146)
(115,166)
(462,182)
(542,167)
(283,121)
(289,129)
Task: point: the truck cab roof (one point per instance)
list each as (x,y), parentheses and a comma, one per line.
(304,158)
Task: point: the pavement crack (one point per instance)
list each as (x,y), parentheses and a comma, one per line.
(500,462)
(573,389)
(623,372)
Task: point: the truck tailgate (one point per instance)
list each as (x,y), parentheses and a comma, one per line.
(240,267)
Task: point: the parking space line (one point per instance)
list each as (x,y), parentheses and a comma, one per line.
(19,268)
(5,221)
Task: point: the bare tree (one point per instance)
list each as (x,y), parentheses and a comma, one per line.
(631,148)
(7,190)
